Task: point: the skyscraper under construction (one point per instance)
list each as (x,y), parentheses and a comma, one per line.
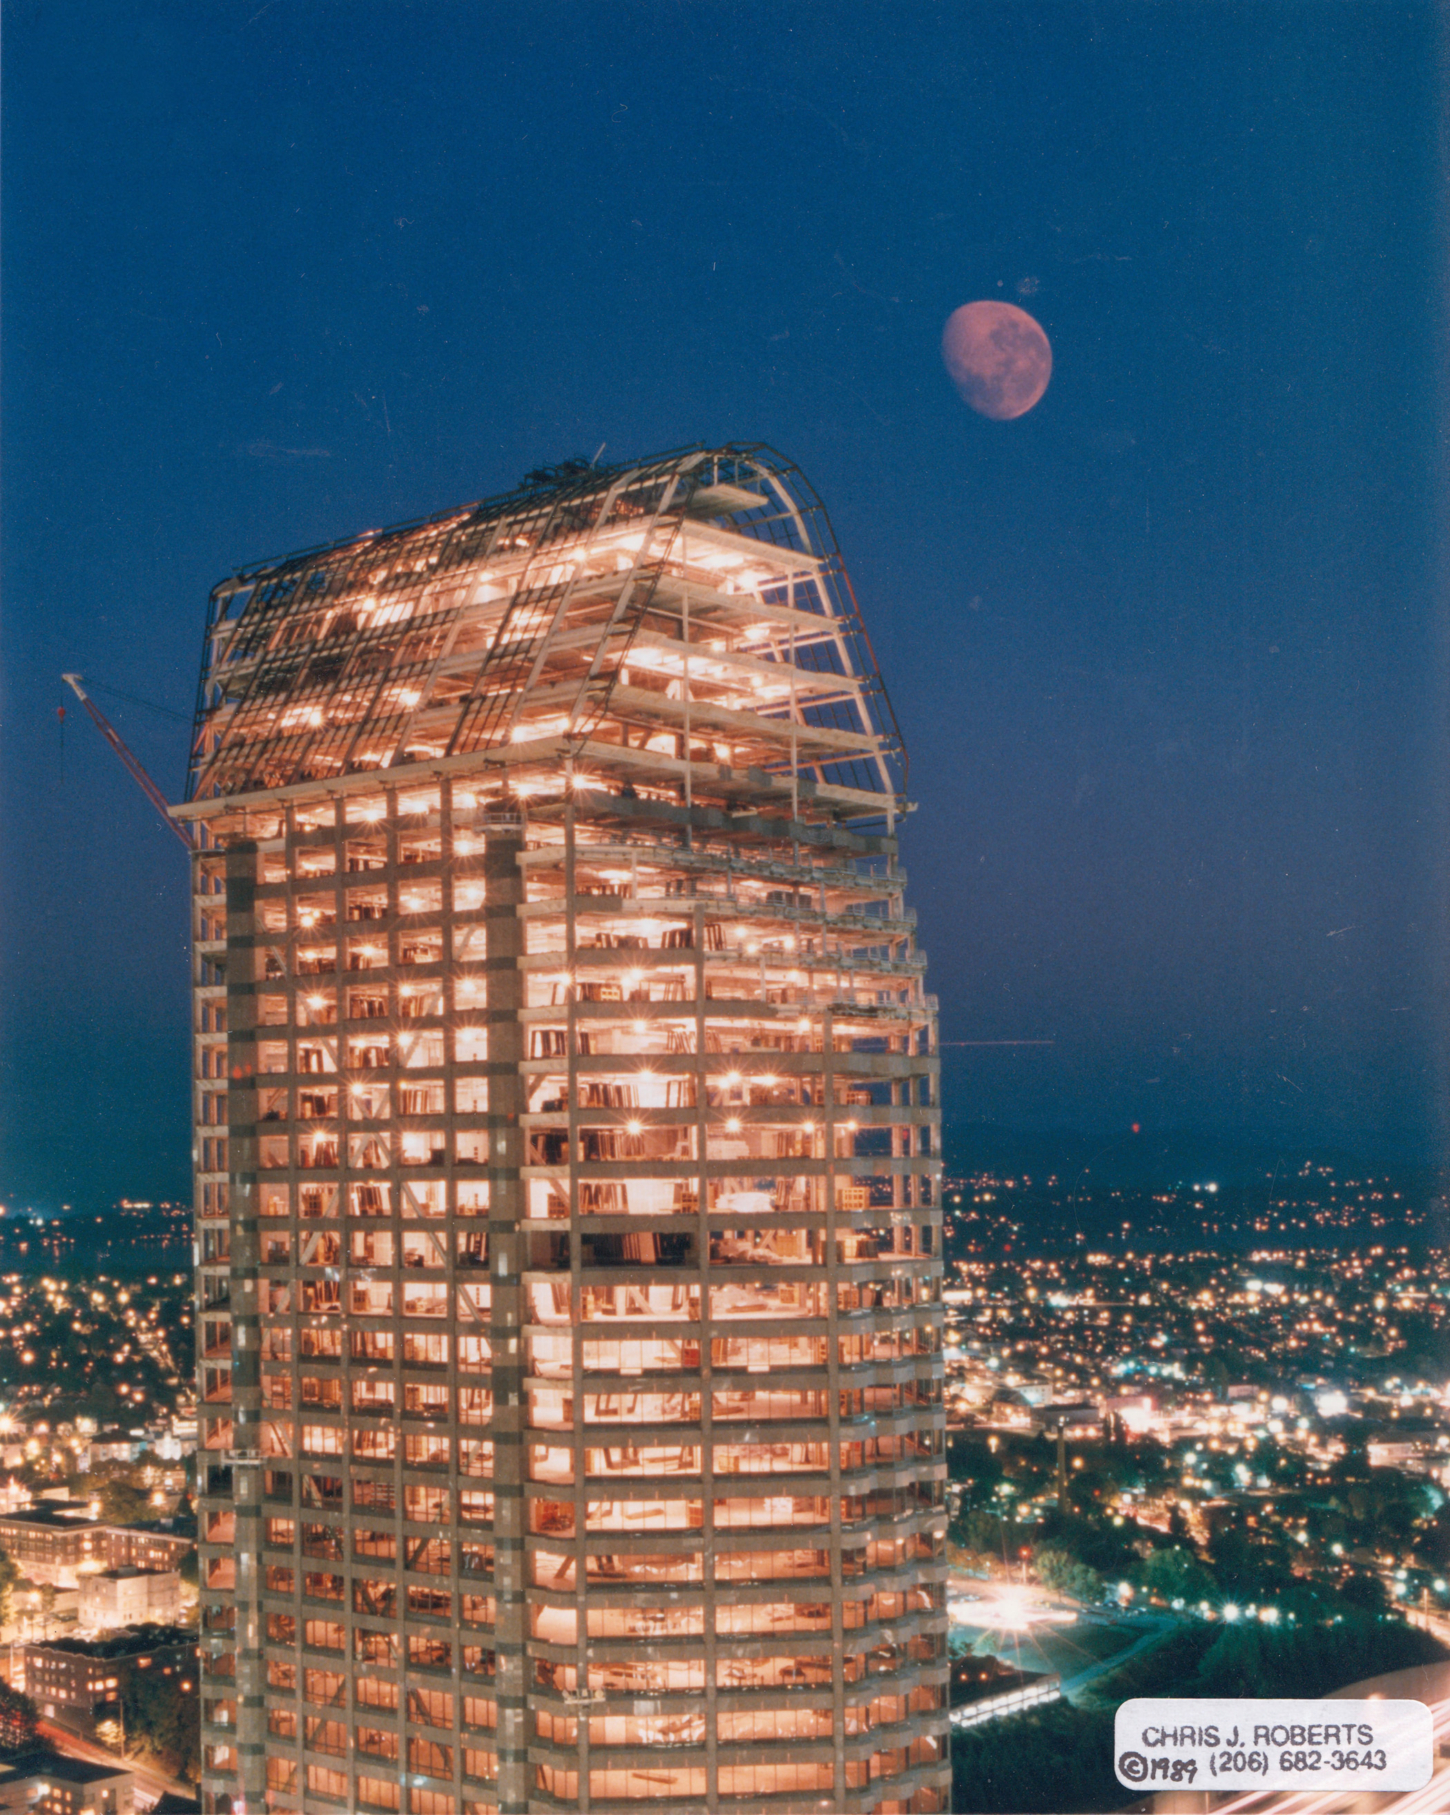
(569,1236)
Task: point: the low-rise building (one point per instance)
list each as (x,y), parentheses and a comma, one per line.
(128,1596)
(77,1682)
(145,1547)
(53,1543)
(49,1783)
(985,1688)
(58,1544)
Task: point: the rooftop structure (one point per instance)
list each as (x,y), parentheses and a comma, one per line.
(568,1190)
(43,1782)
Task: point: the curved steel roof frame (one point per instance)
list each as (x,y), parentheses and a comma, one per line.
(350,656)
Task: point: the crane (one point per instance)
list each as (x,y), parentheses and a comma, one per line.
(133,768)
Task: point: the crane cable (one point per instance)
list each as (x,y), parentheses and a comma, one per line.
(131,765)
(182,718)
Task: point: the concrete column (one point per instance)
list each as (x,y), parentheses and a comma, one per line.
(503,895)
(243,960)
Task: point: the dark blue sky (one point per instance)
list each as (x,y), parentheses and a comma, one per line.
(1167,651)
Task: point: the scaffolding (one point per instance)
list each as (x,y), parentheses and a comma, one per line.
(568,1181)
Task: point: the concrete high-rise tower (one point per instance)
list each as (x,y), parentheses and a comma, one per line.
(569,1236)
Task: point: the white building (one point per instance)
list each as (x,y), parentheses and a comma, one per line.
(129,1597)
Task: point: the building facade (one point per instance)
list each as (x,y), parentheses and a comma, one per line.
(144,1547)
(60,1544)
(55,1544)
(128,1596)
(78,1682)
(568,1183)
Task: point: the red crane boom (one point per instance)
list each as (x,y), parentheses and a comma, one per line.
(133,768)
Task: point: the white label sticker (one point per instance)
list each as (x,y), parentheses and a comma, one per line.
(1269,1745)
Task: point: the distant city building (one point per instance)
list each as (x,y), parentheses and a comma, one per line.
(147,1232)
(28,1241)
(568,1183)
(135,1233)
(115,1449)
(174,1440)
(1078,1421)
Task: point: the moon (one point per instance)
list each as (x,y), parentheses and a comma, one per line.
(999,358)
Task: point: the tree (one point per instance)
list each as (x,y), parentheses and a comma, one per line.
(1251,1659)
(9,1576)
(1093,1539)
(983,1532)
(18,1719)
(1433,1539)
(1046,1760)
(123,1504)
(1062,1573)
(164,1718)
(1363,1590)
(1176,1574)
(1250,1568)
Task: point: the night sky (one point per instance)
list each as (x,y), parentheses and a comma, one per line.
(1166,651)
